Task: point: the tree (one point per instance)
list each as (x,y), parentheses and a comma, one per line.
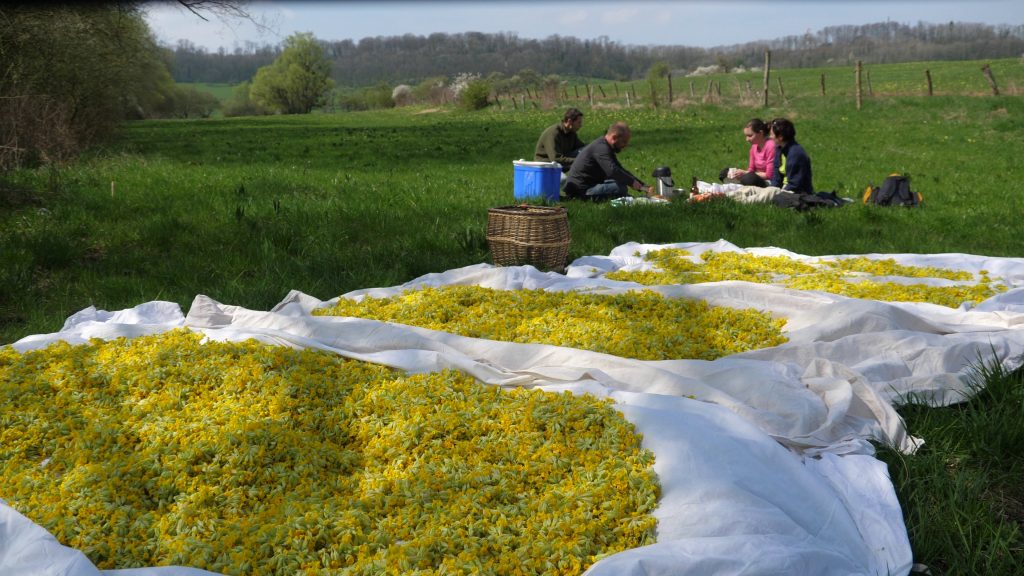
(241,103)
(298,80)
(71,75)
(476,95)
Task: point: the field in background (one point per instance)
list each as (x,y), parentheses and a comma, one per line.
(246,209)
(798,86)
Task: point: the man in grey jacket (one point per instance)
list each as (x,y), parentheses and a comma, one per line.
(596,174)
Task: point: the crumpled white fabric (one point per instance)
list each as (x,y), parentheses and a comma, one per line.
(764,457)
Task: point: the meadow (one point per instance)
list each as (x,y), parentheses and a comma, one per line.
(245,209)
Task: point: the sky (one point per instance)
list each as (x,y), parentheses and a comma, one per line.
(696,23)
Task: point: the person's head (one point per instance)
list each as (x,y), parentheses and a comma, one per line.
(572,120)
(783,131)
(755,131)
(618,136)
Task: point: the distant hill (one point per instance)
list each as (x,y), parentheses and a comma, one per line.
(410,58)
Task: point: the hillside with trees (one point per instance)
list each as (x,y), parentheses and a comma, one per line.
(410,59)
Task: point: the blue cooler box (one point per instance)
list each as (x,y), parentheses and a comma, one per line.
(536,180)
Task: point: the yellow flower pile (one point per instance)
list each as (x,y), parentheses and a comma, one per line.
(244,458)
(639,324)
(844,276)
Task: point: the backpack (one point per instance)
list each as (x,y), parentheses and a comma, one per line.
(895,191)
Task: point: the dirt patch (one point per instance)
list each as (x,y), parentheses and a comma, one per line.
(428,111)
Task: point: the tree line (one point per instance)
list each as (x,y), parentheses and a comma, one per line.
(409,59)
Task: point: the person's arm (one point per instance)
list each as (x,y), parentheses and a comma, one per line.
(613,170)
(769,167)
(776,179)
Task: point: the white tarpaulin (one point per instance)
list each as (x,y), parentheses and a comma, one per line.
(769,471)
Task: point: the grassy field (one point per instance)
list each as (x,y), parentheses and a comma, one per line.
(245,209)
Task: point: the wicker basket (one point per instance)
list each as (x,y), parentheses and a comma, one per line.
(525,234)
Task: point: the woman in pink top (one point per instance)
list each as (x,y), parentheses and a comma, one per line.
(762,156)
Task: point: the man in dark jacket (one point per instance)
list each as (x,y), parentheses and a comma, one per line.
(596,173)
(560,142)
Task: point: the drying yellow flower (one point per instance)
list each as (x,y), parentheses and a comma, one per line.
(243,458)
(640,324)
(845,276)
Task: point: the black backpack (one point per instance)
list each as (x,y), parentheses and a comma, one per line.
(894,191)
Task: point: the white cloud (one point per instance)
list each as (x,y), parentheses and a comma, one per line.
(628,17)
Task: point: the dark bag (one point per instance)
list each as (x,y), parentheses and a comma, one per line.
(894,191)
(803,202)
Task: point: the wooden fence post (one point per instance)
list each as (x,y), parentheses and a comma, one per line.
(767,69)
(669,88)
(616,89)
(692,95)
(590,95)
(654,95)
(928,76)
(871,92)
(782,91)
(601,88)
(823,84)
(857,84)
(987,70)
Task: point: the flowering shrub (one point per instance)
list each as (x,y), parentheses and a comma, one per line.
(244,458)
(640,324)
(843,276)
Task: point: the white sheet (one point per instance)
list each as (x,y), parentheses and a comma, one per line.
(768,471)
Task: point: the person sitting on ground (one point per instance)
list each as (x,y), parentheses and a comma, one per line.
(792,164)
(560,142)
(761,166)
(596,174)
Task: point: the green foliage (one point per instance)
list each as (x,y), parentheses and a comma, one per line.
(658,70)
(70,75)
(431,90)
(188,102)
(297,81)
(369,98)
(476,95)
(241,103)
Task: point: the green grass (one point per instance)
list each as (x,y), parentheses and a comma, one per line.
(962,491)
(245,209)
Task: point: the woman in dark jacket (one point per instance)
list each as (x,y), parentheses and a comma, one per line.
(792,164)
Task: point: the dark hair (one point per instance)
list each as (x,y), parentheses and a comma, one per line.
(572,114)
(758,125)
(784,129)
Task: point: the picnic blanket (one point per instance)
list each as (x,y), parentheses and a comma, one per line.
(764,457)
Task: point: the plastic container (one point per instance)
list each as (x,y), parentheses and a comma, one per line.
(536,180)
